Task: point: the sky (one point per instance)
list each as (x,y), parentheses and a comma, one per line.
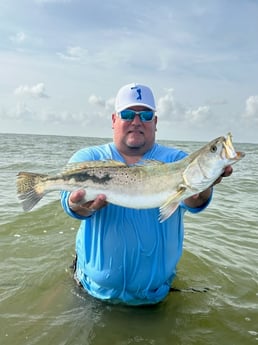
(63,61)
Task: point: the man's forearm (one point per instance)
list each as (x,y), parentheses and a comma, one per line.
(199,199)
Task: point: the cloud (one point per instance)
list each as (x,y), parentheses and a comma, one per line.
(96,100)
(251,108)
(169,109)
(107,105)
(19,37)
(27,113)
(199,115)
(63,117)
(20,112)
(35,91)
(23,111)
(74,53)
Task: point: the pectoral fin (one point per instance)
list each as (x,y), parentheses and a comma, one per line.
(170,206)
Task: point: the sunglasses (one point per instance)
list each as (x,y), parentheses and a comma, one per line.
(129,115)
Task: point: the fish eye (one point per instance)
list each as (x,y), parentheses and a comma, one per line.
(213,148)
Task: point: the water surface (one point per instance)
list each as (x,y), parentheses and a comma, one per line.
(40,304)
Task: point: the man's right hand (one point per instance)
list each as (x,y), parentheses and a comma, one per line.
(84,208)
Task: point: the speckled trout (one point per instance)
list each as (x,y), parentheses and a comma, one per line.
(147,184)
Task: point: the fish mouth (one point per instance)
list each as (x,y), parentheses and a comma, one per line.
(229,150)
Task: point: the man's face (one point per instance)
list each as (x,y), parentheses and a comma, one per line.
(135,134)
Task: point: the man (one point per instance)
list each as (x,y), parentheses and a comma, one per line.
(126,255)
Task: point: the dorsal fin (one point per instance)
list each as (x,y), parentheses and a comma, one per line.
(147,162)
(78,166)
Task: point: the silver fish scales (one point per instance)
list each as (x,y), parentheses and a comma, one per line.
(141,186)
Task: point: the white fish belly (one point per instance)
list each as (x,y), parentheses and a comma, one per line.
(137,201)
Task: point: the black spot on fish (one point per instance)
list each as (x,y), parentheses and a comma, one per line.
(84,176)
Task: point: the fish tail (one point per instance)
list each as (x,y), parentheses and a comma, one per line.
(30,189)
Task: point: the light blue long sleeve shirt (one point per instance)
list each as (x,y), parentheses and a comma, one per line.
(126,255)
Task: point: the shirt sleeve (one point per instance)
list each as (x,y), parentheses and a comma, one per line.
(79,156)
(64,203)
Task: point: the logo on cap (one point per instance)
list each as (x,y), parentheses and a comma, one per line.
(139,91)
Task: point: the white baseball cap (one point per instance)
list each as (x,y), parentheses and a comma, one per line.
(134,94)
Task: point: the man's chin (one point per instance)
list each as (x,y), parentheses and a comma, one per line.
(135,140)
(134,144)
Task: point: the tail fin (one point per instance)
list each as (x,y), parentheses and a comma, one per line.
(30,189)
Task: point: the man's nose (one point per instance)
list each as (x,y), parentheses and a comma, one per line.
(136,120)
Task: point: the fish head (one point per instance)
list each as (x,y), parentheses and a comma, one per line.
(229,154)
(208,163)
(218,154)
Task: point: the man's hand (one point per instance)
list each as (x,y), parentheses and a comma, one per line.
(78,205)
(227,172)
(199,199)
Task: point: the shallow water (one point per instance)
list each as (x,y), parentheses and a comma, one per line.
(40,304)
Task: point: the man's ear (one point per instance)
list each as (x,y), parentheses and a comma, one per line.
(113,119)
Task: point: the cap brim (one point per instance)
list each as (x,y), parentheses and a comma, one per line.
(134,105)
